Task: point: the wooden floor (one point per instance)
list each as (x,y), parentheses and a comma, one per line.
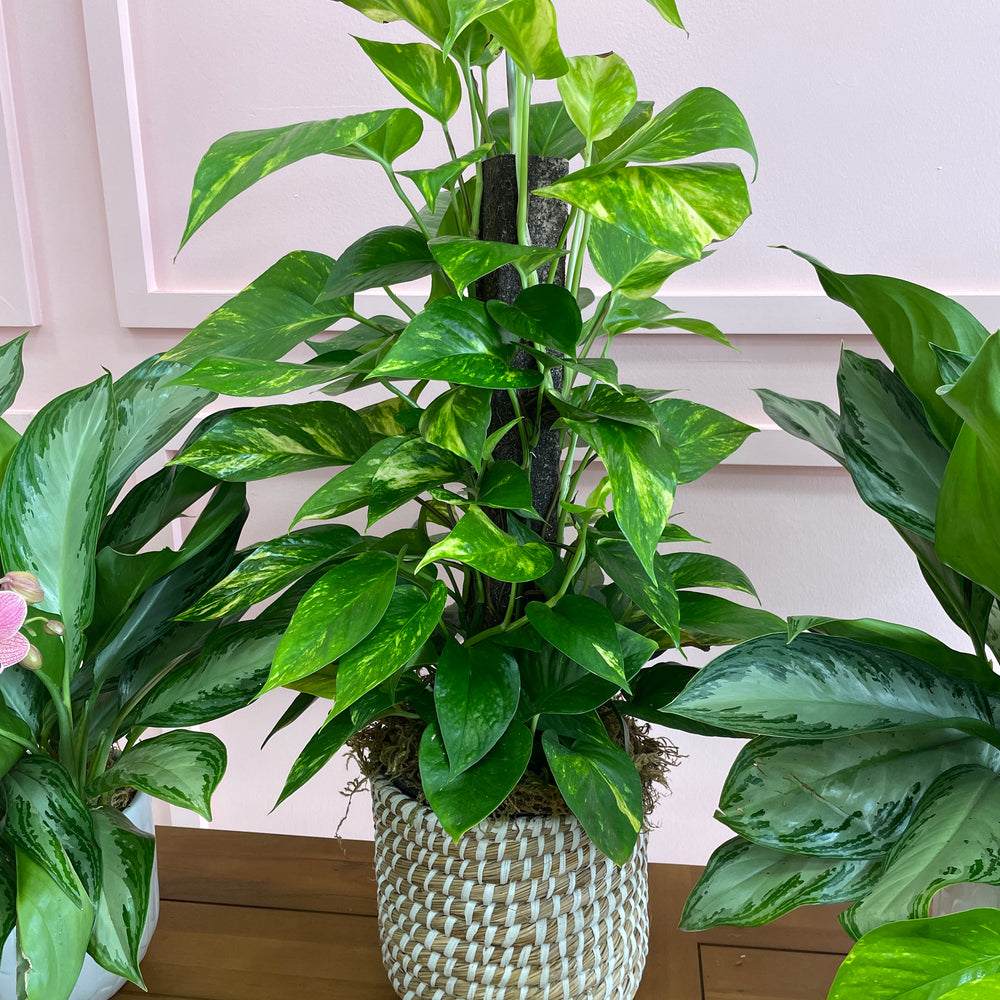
(249,916)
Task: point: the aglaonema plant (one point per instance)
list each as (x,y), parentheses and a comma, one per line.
(873,776)
(517,607)
(97,660)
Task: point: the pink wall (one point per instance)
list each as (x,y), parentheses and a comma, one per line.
(877,131)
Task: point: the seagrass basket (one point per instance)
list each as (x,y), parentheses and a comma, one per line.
(524,909)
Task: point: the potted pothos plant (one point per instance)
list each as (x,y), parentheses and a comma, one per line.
(93,661)
(500,643)
(872,777)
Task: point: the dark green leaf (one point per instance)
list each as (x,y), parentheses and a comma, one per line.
(710,620)
(655,596)
(334,616)
(11,371)
(653,690)
(505,485)
(698,569)
(460,801)
(248,377)
(476,690)
(905,319)
(643,478)
(585,631)
(542,314)
(805,419)
(264,441)
(601,785)
(893,457)
(226,676)
(551,132)
(382,257)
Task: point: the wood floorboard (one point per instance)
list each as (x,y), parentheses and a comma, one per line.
(264,917)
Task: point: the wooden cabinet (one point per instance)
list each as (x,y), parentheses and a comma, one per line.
(248,916)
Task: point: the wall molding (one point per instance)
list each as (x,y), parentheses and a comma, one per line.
(19,302)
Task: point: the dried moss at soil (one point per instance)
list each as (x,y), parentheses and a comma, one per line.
(389,748)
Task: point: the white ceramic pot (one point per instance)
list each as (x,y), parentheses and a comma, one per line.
(95,982)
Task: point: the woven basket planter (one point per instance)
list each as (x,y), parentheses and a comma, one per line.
(526,909)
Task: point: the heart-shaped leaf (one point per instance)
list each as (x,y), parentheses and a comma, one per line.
(466,260)
(678,209)
(336,613)
(476,690)
(477,542)
(420,73)
(598,91)
(460,801)
(542,314)
(459,421)
(527,31)
(382,257)
(703,436)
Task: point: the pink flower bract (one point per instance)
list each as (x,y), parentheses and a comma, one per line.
(13,645)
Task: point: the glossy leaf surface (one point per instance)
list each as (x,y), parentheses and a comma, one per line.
(585,631)
(411,469)
(240,159)
(745,885)
(336,613)
(825,686)
(476,691)
(655,596)
(905,318)
(477,542)
(598,91)
(551,132)
(678,209)
(408,622)
(454,340)
(271,567)
(459,421)
(430,17)
(527,31)
(631,266)
(955,956)
(460,801)
(805,419)
(420,73)
(382,257)
(702,436)
(701,121)
(11,370)
(466,260)
(52,501)
(270,316)
(893,457)
(120,914)
(180,767)
(601,785)
(265,441)
(47,820)
(543,314)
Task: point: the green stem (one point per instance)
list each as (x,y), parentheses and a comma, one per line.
(399,392)
(399,302)
(525,447)
(365,321)
(578,556)
(401,194)
(67,748)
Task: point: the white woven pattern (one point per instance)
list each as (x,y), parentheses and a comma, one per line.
(526,909)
